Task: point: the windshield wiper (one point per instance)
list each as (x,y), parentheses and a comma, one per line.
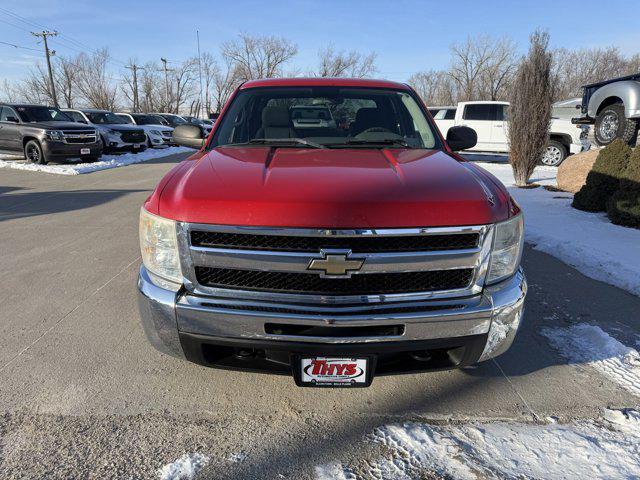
(278,142)
(384,141)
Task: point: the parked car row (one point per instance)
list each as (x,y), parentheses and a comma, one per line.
(43,134)
(490,120)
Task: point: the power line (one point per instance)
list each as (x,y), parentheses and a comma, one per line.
(19,46)
(66,38)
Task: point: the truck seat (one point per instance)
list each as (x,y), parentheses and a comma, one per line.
(275,123)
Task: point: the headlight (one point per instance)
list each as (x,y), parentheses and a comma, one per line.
(159,246)
(55,135)
(507,249)
(155,132)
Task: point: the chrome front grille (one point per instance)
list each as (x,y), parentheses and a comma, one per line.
(280,264)
(79,136)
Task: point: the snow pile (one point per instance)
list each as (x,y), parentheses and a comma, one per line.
(184,468)
(608,449)
(586,241)
(589,344)
(105,162)
(332,471)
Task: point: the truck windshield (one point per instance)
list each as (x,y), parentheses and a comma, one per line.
(42,114)
(345,117)
(105,118)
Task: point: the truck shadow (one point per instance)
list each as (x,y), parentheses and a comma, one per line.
(32,204)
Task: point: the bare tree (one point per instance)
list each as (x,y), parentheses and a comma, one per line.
(499,70)
(530,109)
(435,87)
(65,74)
(182,87)
(93,80)
(258,57)
(574,68)
(36,88)
(150,88)
(345,64)
(210,70)
(481,67)
(225,82)
(9,92)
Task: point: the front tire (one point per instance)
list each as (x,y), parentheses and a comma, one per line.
(612,124)
(34,154)
(554,154)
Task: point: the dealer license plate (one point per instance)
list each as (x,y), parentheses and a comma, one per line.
(85,151)
(333,372)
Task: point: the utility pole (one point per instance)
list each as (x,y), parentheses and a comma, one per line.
(44,34)
(200,71)
(166,80)
(136,99)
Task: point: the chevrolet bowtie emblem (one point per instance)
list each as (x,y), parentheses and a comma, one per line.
(336,264)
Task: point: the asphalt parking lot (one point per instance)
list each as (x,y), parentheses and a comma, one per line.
(83,395)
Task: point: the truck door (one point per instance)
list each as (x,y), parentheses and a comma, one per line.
(10,139)
(500,129)
(480,117)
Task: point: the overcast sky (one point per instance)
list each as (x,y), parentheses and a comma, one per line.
(408,36)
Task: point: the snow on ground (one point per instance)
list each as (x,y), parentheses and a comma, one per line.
(184,468)
(589,344)
(105,162)
(587,241)
(606,448)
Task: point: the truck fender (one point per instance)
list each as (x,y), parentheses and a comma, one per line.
(627,90)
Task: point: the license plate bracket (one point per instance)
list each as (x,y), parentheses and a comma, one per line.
(333,371)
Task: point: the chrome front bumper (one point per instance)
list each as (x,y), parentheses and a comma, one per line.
(496,313)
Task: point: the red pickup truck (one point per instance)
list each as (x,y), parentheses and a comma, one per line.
(330,251)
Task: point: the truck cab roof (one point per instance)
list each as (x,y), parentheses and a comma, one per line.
(323,82)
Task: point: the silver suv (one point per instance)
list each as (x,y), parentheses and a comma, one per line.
(116,134)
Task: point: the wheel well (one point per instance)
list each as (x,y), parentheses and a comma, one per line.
(609,101)
(26,140)
(563,139)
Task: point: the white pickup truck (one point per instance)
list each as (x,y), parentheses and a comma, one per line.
(490,121)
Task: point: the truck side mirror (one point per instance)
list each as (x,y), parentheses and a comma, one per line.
(188,135)
(461,138)
(12,119)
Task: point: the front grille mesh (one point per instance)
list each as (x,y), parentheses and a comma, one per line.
(357,244)
(133,137)
(362,284)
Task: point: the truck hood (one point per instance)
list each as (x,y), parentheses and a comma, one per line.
(331,188)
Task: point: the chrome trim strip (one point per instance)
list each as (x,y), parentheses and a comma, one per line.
(298,262)
(319,232)
(188,254)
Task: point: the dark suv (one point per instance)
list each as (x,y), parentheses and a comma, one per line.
(44,134)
